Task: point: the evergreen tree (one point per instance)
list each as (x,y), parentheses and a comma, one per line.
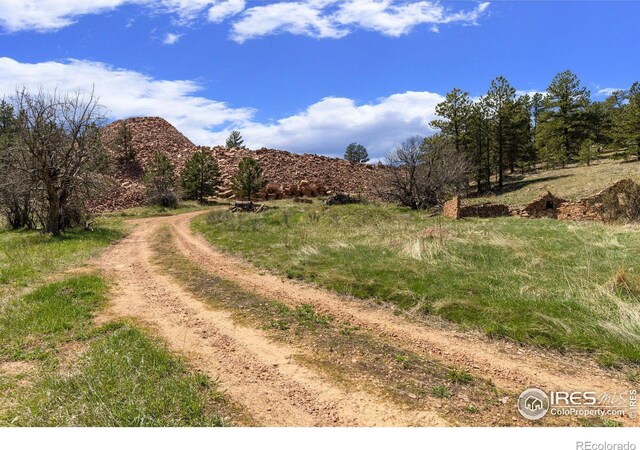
(600,122)
(356,153)
(537,106)
(563,124)
(160,180)
(520,146)
(455,109)
(200,176)
(7,119)
(248,181)
(122,144)
(479,129)
(630,121)
(588,152)
(501,104)
(235,140)
(616,104)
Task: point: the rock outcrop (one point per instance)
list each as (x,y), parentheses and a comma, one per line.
(288,175)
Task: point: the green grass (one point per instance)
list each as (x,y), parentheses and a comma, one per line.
(35,325)
(123,378)
(543,282)
(28,256)
(441,391)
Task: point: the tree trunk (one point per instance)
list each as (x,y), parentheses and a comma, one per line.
(53,218)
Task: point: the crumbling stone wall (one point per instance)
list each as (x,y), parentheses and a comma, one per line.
(451,209)
(619,202)
(454,210)
(546,205)
(484,210)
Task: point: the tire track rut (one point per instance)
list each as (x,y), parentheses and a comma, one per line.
(257,373)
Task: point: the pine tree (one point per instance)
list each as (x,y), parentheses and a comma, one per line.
(122,144)
(160,181)
(455,109)
(479,133)
(563,124)
(200,176)
(630,121)
(248,181)
(501,104)
(356,153)
(588,152)
(520,147)
(235,140)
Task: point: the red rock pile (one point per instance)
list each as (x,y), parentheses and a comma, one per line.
(295,175)
(148,135)
(289,175)
(152,134)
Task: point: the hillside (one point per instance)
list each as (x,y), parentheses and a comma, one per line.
(288,174)
(148,135)
(572,183)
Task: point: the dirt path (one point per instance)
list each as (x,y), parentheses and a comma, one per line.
(508,365)
(255,372)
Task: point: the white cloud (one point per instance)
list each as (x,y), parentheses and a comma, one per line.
(171,38)
(126,93)
(224,9)
(335,19)
(606,92)
(395,20)
(40,15)
(51,15)
(325,127)
(287,17)
(315,18)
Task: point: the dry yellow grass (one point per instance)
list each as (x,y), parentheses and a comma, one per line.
(573,182)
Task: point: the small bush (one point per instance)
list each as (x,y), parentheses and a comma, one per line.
(459,376)
(160,180)
(342,199)
(441,391)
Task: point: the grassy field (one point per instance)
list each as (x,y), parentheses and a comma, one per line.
(571,183)
(27,257)
(58,368)
(543,282)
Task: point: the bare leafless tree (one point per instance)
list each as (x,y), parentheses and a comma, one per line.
(57,150)
(423,173)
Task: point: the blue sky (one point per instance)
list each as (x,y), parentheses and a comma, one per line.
(311,75)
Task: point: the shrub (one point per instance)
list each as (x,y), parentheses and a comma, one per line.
(160,181)
(424,172)
(342,199)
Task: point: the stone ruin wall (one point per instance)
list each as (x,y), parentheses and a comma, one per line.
(619,202)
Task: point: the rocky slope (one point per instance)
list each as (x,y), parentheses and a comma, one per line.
(288,174)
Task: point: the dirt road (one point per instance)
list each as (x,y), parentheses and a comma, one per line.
(257,373)
(263,375)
